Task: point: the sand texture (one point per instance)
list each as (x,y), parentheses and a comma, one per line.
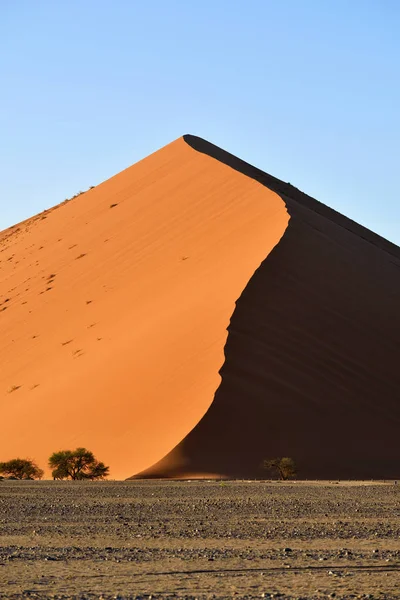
(114,307)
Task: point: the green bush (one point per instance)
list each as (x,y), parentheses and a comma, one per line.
(77,464)
(284,467)
(21,468)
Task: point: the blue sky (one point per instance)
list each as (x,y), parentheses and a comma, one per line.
(307,90)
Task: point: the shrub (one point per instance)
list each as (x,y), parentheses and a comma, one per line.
(21,468)
(77,464)
(284,467)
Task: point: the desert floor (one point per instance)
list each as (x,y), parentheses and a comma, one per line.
(192,539)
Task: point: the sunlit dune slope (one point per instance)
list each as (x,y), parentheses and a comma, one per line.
(114,308)
(312,360)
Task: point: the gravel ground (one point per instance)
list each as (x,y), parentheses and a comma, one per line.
(193,539)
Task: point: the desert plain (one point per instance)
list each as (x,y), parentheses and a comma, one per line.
(199,539)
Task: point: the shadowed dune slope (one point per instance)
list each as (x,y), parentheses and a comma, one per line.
(312,360)
(114,307)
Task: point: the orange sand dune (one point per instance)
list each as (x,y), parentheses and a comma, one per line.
(114,308)
(312,359)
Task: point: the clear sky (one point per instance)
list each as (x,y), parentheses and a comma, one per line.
(307,90)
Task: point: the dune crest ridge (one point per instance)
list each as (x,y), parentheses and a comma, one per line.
(114,307)
(311,360)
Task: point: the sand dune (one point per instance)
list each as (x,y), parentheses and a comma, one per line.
(312,358)
(119,308)
(114,307)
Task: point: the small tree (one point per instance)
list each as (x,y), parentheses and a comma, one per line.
(21,468)
(77,464)
(285,467)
